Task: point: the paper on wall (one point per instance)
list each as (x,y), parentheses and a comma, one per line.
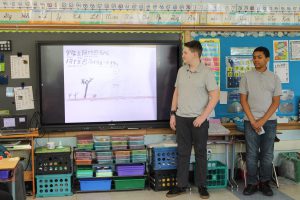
(24,98)
(19,66)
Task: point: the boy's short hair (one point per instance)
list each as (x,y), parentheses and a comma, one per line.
(194,46)
(265,50)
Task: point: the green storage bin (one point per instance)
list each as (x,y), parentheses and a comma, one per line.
(129,183)
(217,174)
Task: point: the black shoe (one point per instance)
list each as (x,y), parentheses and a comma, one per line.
(175,191)
(250,189)
(265,188)
(203,192)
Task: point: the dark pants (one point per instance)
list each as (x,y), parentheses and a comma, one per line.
(186,136)
(5,195)
(260,148)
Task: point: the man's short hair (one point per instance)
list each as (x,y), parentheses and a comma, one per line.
(265,51)
(194,46)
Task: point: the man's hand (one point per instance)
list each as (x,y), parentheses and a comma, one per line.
(198,121)
(257,125)
(173,122)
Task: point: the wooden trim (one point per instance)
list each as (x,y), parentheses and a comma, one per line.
(156,131)
(280,126)
(29,135)
(142,27)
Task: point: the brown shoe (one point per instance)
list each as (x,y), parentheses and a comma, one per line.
(265,188)
(250,189)
(175,191)
(203,192)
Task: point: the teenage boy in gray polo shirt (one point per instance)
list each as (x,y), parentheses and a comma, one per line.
(260,92)
(195,96)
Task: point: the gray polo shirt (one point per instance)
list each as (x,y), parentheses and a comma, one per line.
(260,87)
(193,88)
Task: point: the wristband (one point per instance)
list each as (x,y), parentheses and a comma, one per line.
(173,112)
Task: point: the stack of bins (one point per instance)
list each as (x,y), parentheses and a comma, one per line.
(102,143)
(85,142)
(104,157)
(136,142)
(139,156)
(122,157)
(163,168)
(53,172)
(83,158)
(119,142)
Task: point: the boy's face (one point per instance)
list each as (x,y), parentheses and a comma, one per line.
(188,56)
(260,61)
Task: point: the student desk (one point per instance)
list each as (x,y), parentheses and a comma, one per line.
(10,164)
(228,141)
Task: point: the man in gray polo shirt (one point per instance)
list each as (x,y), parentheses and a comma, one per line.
(260,92)
(195,96)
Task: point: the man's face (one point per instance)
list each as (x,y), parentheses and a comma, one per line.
(260,61)
(188,56)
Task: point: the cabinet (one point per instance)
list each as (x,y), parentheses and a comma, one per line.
(107,170)
(28,175)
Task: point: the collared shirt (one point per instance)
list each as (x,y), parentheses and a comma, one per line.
(260,87)
(193,88)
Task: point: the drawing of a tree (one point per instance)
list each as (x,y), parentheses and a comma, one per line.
(86,83)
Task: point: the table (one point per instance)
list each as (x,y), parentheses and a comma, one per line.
(10,164)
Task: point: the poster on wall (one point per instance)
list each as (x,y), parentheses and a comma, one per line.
(281,69)
(280,48)
(211,55)
(294,49)
(236,67)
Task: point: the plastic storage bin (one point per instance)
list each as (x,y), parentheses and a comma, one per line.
(95,185)
(5,174)
(129,183)
(164,158)
(163,179)
(53,185)
(130,170)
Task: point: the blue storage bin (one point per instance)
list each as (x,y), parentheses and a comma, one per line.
(95,184)
(4,174)
(164,158)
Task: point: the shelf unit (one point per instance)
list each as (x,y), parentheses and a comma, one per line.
(94,164)
(28,175)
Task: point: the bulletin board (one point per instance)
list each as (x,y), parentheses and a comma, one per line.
(244,43)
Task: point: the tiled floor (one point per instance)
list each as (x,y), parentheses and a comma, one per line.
(288,190)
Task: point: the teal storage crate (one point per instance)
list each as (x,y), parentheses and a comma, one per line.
(55,185)
(217,174)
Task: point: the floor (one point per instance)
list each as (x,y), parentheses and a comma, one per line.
(288,190)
